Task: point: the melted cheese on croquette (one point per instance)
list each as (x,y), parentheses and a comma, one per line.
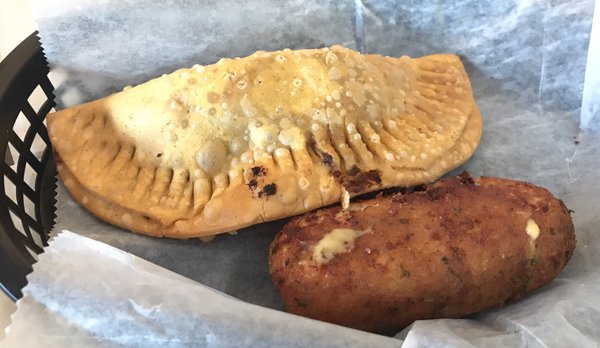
(338,241)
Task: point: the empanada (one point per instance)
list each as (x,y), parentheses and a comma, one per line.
(215,148)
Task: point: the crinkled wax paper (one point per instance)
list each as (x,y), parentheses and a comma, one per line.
(152,307)
(535,71)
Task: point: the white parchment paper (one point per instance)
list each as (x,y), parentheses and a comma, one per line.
(535,74)
(115,299)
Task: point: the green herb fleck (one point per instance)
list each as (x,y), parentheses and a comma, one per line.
(445,260)
(393,310)
(532,261)
(300,303)
(403,221)
(457,210)
(405,272)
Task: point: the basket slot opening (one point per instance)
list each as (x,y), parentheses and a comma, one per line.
(14,155)
(21,126)
(20,212)
(22,150)
(13,177)
(33,253)
(38,146)
(37,98)
(36,129)
(29,207)
(10,190)
(18,224)
(37,239)
(30,175)
(25,234)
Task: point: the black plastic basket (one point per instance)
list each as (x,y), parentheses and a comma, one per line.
(28,185)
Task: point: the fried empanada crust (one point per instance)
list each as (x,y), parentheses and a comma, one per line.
(215,148)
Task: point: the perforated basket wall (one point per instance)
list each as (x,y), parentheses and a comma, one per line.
(28,186)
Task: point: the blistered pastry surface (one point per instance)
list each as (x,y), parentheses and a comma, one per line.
(213,148)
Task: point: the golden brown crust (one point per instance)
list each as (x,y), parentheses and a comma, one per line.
(179,153)
(456,248)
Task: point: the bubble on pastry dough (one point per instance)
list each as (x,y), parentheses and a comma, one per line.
(285,123)
(349,62)
(331,58)
(297,82)
(334,73)
(271,147)
(338,105)
(357,136)
(331,114)
(242,84)
(388,156)
(423,155)
(335,94)
(413,158)
(84,200)
(212,156)
(351,127)
(237,146)
(293,93)
(303,183)
(247,108)
(207,239)
(197,108)
(359,98)
(315,127)
(213,97)
(292,137)
(126,88)
(212,111)
(247,157)
(127,219)
(199,68)
(403,154)
(343,112)
(278,109)
(318,115)
(329,98)
(258,81)
(375,138)
(391,123)
(174,105)
(184,75)
(280,58)
(372,111)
